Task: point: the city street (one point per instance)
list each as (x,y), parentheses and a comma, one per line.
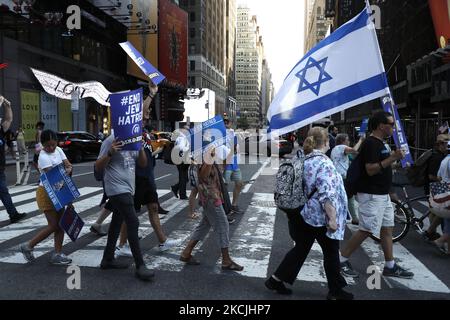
(259,240)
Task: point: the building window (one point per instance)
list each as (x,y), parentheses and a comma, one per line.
(192,65)
(192,32)
(192,17)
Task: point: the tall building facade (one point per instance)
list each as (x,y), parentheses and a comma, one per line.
(318,25)
(207,47)
(309,4)
(249,67)
(230,59)
(266,91)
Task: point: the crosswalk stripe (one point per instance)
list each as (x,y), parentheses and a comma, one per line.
(424,279)
(18,189)
(12,255)
(32,206)
(169,261)
(15,230)
(251,244)
(91,256)
(48,244)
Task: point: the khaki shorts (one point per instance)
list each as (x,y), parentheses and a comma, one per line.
(375,212)
(43,201)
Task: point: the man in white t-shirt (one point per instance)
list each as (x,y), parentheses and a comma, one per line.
(183,146)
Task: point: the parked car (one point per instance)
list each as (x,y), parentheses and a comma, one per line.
(79,145)
(280,146)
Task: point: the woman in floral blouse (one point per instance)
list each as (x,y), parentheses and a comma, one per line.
(214,215)
(322,219)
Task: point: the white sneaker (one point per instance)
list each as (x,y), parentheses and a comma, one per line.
(124,251)
(169,244)
(60,259)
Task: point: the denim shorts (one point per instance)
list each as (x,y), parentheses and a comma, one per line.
(234,176)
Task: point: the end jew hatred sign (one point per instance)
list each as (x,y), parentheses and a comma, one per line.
(71,223)
(64,89)
(209,134)
(60,187)
(126,118)
(146,67)
(399,134)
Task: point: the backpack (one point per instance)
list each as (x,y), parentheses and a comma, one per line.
(417,174)
(289,193)
(98,174)
(351,182)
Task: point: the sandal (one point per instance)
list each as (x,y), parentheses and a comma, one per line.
(233,266)
(191,261)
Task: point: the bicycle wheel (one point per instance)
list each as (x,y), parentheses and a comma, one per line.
(402,222)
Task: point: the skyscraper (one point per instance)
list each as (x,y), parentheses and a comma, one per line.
(207,47)
(249,65)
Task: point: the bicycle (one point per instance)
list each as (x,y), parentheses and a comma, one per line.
(404,217)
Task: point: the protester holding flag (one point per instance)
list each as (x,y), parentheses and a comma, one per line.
(213,214)
(376,214)
(50,156)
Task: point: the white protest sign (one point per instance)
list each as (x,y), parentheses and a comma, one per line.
(63,89)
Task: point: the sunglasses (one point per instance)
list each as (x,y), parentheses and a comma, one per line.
(392,124)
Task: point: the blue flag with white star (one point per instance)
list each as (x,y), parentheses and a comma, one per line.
(342,71)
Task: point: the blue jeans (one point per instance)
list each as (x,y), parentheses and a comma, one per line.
(5,197)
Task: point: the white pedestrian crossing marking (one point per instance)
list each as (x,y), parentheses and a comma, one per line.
(15,230)
(423,280)
(251,245)
(91,255)
(14,256)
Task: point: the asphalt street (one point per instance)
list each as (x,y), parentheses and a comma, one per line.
(259,240)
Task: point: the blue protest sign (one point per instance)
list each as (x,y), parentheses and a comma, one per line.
(364,127)
(126,118)
(60,187)
(146,67)
(211,133)
(71,223)
(399,135)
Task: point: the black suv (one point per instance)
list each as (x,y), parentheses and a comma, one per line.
(79,145)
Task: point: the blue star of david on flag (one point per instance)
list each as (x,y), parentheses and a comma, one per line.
(323,76)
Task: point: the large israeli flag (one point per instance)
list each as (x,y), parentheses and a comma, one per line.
(342,71)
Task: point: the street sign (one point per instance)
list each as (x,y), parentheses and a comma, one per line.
(75,105)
